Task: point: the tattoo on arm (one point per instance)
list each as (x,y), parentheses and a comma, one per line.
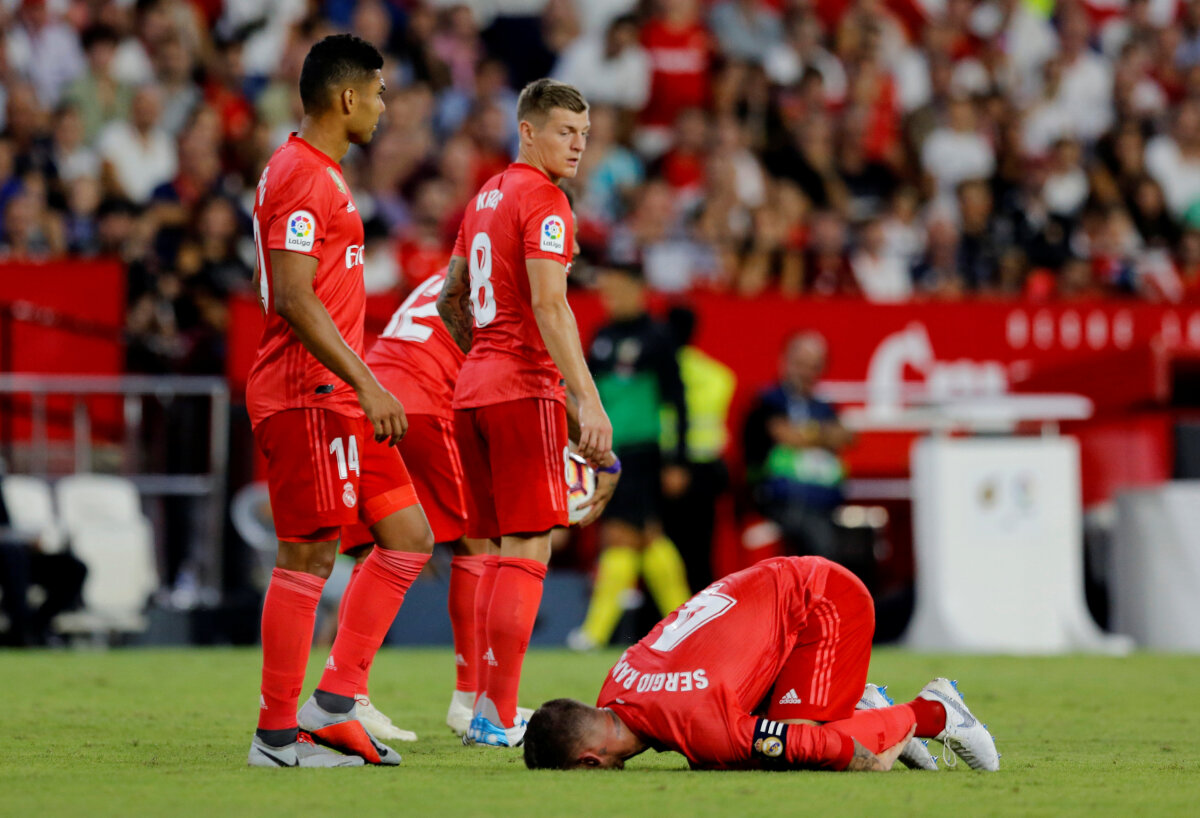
(454,304)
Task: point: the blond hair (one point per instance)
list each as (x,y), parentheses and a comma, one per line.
(540,97)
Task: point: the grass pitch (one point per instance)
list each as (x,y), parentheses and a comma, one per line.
(165,732)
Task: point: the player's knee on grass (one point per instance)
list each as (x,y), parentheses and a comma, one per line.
(554,734)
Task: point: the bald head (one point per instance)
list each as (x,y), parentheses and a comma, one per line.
(803,361)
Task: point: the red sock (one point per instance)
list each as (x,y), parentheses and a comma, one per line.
(346,593)
(289,613)
(931,717)
(510,622)
(483,601)
(465,571)
(374,601)
(877,729)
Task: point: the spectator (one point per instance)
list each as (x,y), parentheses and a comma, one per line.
(138,154)
(957,152)
(746,29)
(174,70)
(44,49)
(610,69)
(608,174)
(937,273)
(787,62)
(881,274)
(680,50)
(826,268)
(98,96)
(1174,159)
(72,156)
(792,442)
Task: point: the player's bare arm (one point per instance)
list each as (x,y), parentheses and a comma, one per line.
(606,482)
(560,333)
(297,303)
(864,760)
(454,303)
(825,434)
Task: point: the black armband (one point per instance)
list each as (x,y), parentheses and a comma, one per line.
(770,741)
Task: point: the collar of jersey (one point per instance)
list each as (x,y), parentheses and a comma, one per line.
(525,166)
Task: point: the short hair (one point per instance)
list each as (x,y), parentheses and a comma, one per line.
(540,97)
(553,734)
(339,59)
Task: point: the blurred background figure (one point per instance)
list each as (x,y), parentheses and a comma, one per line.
(633,360)
(689,517)
(793,442)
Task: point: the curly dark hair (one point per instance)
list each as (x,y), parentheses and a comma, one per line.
(553,734)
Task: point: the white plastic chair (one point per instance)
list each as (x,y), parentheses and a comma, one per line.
(103,518)
(30,505)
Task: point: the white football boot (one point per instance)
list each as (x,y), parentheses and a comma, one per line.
(377,722)
(963,733)
(461,711)
(915,755)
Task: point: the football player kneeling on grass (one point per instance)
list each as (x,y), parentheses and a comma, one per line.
(764,669)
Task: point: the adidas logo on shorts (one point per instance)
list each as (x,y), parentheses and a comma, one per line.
(790,697)
(491,658)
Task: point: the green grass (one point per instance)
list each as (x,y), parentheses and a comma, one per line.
(165,732)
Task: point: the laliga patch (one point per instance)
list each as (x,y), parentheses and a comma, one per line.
(554,235)
(301,232)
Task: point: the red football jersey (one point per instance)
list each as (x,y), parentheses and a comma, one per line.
(303,205)
(692,684)
(679,61)
(415,358)
(517,215)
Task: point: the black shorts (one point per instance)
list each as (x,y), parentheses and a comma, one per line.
(638,497)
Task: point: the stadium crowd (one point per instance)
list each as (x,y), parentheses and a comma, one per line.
(893,149)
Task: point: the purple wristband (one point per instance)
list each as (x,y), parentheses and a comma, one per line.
(615,468)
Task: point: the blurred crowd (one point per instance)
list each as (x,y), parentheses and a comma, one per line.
(889,149)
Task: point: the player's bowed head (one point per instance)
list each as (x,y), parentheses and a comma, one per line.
(341,87)
(553,124)
(565,734)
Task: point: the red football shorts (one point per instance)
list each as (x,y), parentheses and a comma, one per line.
(513,458)
(325,470)
(438,479)
(823,677)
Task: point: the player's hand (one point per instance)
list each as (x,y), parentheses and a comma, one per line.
(385,413)
(595,430)
(606,484)
(675,481)
(865,760)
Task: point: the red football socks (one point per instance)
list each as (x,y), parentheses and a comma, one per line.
(931,717)
(483,600)
(346,593)
(877,729)
(510,621)
(374,599)
(289,613)
(465,571)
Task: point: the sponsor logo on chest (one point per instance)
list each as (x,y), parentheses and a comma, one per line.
(354,256)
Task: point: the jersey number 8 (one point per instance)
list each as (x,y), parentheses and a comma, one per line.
(483,297)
